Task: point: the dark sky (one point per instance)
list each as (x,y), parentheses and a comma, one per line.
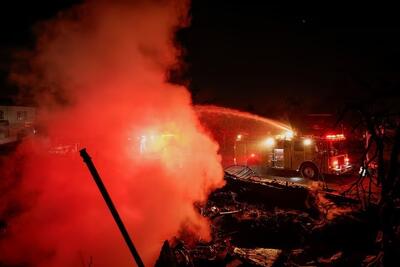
(263,57)
(309,57)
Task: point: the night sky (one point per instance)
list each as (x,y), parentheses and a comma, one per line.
(265,58)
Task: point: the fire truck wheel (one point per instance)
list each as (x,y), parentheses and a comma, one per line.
(309,171)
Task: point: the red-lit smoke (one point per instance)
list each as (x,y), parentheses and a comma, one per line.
(99,73)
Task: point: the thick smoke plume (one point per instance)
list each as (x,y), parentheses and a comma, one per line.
(99,77)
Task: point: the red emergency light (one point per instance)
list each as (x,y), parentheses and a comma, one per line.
(335,137)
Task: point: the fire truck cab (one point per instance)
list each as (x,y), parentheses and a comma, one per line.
(309,155)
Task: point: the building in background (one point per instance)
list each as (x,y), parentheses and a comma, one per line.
(15,123)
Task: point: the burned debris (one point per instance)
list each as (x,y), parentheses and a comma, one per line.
(256,222)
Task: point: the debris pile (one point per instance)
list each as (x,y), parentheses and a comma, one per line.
(260,223)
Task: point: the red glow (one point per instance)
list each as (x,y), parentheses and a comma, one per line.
(106,61)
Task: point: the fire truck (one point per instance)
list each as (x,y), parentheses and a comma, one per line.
(310,155)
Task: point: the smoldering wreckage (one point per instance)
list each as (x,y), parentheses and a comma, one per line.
(264,222)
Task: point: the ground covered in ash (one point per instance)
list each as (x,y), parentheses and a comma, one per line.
(257,223)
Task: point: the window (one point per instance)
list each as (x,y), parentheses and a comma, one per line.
(22,115)
(1,115)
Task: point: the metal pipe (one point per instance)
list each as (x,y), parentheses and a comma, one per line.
(110,204)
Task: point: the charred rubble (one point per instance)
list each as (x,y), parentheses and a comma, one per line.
(256,222)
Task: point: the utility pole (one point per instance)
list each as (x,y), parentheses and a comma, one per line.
(111,207)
